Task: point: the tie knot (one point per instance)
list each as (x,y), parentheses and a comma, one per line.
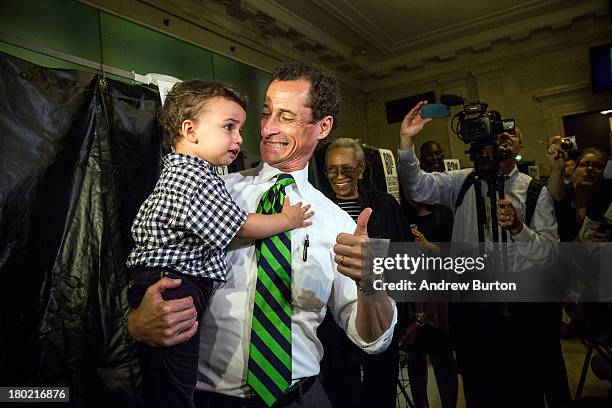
(284,179)
(272,200)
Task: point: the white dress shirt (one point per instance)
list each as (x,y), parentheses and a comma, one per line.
(538,242)
(316,285)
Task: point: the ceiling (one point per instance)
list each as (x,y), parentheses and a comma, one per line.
(373,40)
(373,44)
(388,28)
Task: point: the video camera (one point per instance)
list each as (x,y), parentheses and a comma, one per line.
(474,124)
(479,128)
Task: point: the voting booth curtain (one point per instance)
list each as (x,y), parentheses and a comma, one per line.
(78,155)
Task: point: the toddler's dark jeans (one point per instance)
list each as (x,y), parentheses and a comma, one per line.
(170,373)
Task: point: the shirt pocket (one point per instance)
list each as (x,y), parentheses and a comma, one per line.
(312,279)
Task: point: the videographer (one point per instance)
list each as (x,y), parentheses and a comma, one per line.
(497,346)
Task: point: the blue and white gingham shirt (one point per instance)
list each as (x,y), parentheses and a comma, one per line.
(187,222)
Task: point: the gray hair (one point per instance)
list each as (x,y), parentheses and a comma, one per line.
(347,142)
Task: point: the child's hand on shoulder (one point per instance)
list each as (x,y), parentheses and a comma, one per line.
(296,214)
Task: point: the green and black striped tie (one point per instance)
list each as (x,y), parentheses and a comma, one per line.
(269,374)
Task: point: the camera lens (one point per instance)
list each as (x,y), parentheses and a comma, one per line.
(567,144)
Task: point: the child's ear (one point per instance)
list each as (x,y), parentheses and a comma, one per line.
(188,131)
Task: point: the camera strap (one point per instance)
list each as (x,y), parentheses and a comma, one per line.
(469,182)
(533,192)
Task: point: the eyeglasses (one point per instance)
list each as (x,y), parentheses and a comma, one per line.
(595,165)
(333,171)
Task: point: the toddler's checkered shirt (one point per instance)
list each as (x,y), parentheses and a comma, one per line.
(187,222)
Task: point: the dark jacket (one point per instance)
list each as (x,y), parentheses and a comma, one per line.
(387,219)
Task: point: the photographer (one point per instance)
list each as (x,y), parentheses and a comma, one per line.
(571,199)
(598,219)
(497,345)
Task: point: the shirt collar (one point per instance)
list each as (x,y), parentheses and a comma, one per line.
(513,173)
(268,173)
(175,159)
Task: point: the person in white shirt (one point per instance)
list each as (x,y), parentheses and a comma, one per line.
(500,348)
(301,106)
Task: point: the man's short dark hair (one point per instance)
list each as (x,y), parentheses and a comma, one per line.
(187,101)
(324,90)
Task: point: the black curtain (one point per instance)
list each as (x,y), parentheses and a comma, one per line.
(78,155)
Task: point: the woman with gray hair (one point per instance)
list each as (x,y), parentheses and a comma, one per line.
(342,361)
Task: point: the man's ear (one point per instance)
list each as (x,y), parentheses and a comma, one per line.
(324,127)
(188,131)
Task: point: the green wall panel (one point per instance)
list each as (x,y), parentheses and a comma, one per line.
(75,29)
(251,82)
(136,48)
(63,25)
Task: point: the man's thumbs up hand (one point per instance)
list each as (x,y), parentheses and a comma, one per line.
(348,247)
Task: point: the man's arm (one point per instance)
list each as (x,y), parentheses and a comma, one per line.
(411,126)
(162,323)
(428,188)
(374,312)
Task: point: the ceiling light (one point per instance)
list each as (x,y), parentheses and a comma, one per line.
(606,112)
